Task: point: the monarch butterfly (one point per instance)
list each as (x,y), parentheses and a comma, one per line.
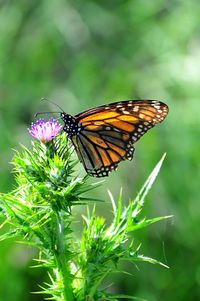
(104,136)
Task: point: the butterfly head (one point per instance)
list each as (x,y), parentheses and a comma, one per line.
(71,126)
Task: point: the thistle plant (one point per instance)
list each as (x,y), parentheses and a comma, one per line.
(39,213)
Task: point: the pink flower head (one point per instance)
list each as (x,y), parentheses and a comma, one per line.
(44,130)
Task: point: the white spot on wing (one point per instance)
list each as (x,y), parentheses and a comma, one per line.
(136,109)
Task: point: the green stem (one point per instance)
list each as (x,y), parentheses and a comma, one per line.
(61,257)
(95,286)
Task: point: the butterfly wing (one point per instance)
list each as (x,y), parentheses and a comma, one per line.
(108,132)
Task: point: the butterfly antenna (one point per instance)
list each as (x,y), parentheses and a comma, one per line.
(41,113)
(55,104)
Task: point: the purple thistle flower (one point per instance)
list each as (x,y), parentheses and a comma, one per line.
(44,130)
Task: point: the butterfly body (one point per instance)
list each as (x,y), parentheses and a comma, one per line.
(104,136)
(71,126)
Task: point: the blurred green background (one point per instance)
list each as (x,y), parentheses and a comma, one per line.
(82,54)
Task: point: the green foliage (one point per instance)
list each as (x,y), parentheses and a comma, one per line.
(34,209)
(38,213)
(102,247)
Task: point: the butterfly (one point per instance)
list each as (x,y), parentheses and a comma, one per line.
(104,136)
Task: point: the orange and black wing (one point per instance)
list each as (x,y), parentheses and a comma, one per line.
(108,132)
